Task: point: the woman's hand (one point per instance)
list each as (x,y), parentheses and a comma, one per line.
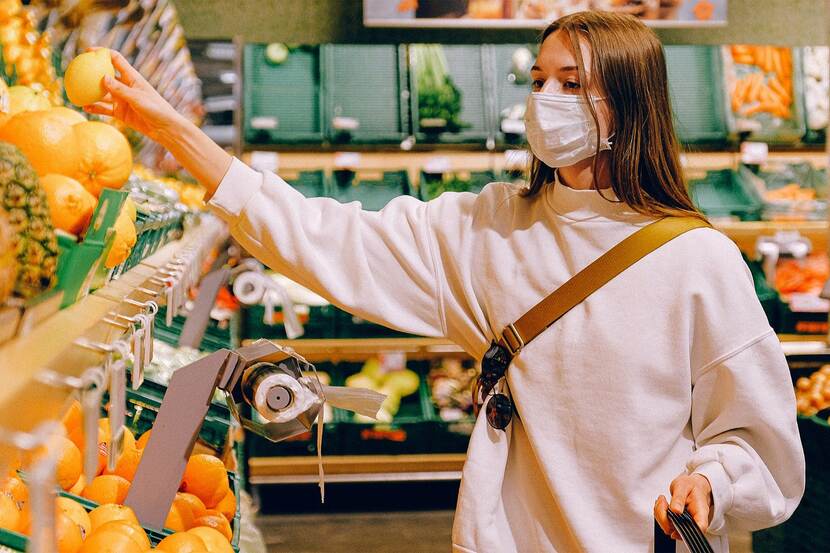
(132,100)
(136,103)
(692,492)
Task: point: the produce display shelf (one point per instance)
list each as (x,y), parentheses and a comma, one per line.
(745,233)
(356,468)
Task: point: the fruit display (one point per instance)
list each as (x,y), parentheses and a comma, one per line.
(451,383)
(813,394)
(396,384)
(27,52)
(70,204)
(24,201)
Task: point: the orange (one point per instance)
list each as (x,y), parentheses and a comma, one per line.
(135,531)
(125,239)
(46,140)
(25,524)
(127,464)
(104,442)
(70,207)
(107,488)
(217,521)
(141,443)
(197,507)
(76,512)
(109,512)
(227,506)
(16,489)
(110,542)
(206,478)
(79,486)
(9,513)
(70,116)
(73,421)
(180,517)
(69,461)
(181,542)
(105,159)
(67,534)
(214,539)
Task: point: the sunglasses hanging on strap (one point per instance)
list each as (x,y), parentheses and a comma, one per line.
(516,336)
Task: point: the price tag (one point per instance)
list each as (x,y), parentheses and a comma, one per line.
(346,160)
(437,165)
(265,161)
(265,123)
(139,337)
(117,414)
(90,409)
(754,153)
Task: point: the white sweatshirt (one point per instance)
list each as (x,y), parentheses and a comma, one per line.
(670,368)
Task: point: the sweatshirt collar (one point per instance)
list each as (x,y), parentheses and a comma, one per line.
(582,204)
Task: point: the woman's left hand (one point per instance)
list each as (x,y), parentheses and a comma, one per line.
(688,491)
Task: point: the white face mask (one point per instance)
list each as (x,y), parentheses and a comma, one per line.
(560,129)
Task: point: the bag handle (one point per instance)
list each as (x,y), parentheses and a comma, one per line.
(593,277)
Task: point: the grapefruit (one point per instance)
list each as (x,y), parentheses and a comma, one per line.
(71,207)
(84,77)
(105,159)
(45,139)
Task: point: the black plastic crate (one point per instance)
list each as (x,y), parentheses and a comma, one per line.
(409,431)
(218,335)
(805,531)
(352,326)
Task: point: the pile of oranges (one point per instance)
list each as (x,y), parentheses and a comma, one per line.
(200,515)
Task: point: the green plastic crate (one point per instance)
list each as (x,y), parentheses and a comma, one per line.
(467,67)
(696,89)
(282,103)
(772,130)
(321,322)
(372,189)
(143,406)
(312,184)
(216,336)
(432,185)
(805,531)
(507,90)
(724,194)
(409,431)
(367,83)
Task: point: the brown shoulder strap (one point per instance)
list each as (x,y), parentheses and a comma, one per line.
(593,277)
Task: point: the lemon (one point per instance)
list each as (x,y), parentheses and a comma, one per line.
(84,77)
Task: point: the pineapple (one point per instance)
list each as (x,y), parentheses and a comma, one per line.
(25,203)
(8,257)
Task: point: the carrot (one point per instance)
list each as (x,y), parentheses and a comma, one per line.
(766,95)
(754,88)
(778,88)
(786,62)
(756,109)
(738,94)
(744,59)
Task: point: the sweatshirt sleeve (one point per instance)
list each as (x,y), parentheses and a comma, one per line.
(743,415)
(377,265)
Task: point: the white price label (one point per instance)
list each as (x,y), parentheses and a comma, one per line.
(265,161)
(346,160)
(754,153)
(437,164)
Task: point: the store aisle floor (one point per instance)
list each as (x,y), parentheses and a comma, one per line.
(410,532)
(397,532)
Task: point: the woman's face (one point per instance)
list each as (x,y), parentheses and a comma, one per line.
(556,72)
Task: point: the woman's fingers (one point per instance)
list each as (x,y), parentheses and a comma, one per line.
(129,75)
(100,108)
(699,509)
(660,508)
(680,489)
(121,91)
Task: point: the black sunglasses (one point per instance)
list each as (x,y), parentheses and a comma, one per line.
(499,409)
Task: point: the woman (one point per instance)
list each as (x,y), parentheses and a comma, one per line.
(666,383)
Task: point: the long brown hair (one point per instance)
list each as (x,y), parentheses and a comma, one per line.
(629,65)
